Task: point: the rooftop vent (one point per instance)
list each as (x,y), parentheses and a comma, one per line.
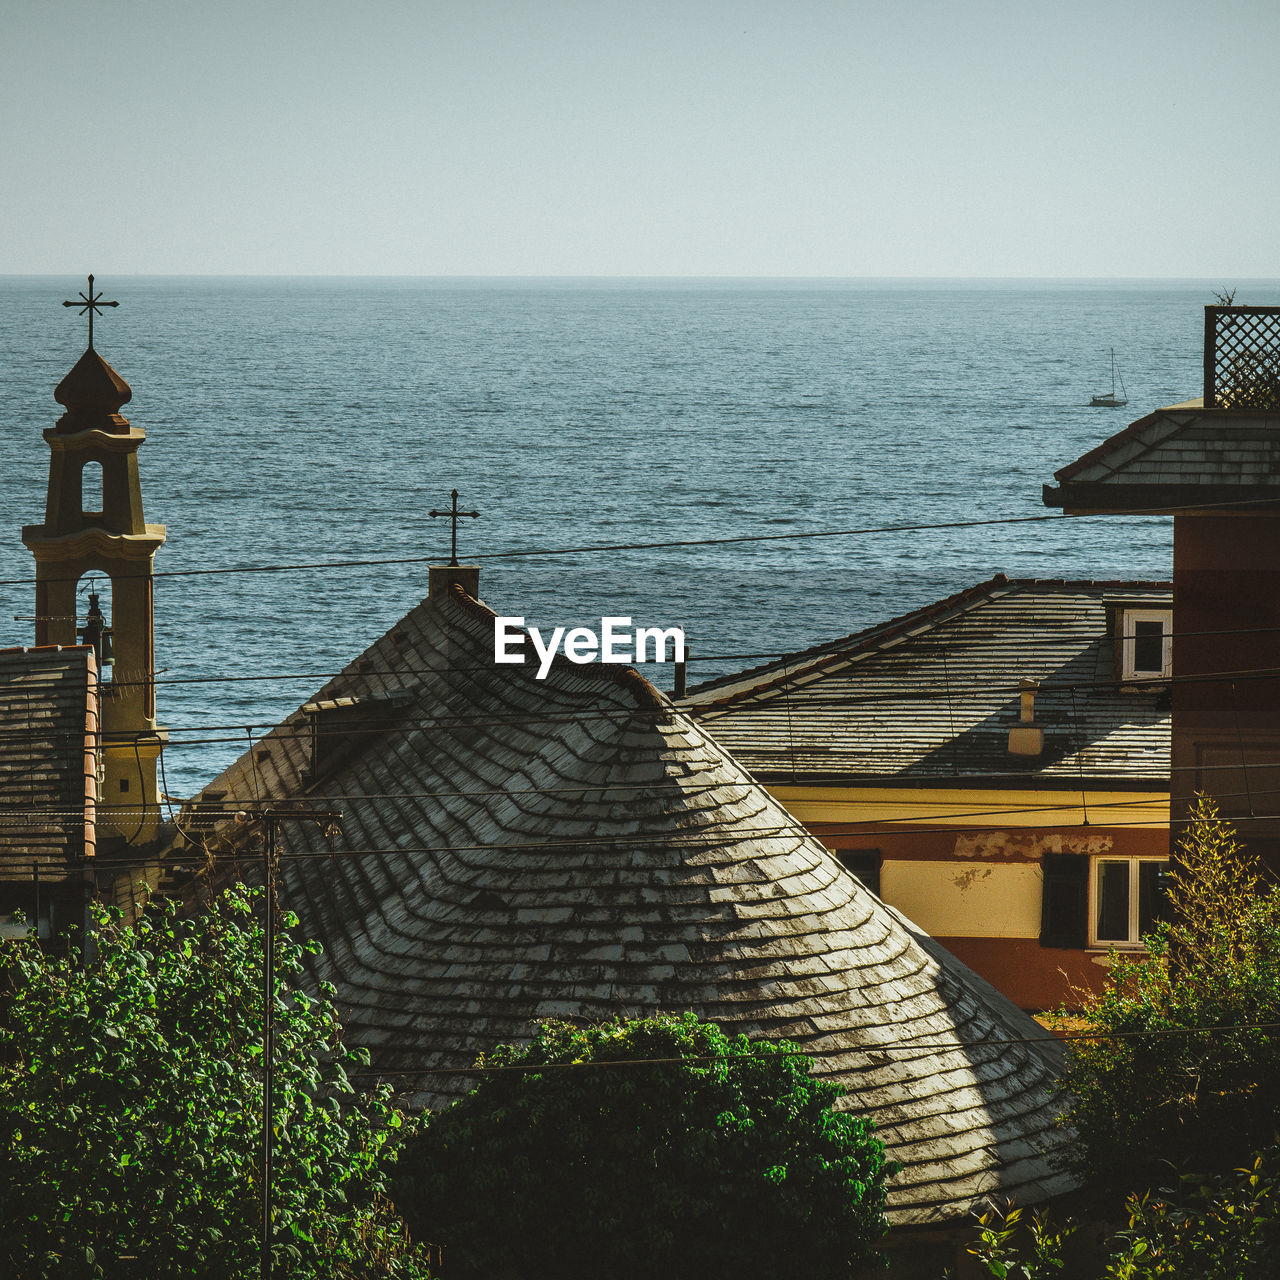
(1026,738)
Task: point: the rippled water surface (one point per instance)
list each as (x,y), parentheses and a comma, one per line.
(300,421)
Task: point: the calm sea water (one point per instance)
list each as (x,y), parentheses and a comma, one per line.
(312,420)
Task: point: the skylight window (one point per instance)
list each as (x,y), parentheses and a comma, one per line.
(1147,644)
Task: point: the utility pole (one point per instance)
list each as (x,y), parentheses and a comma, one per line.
(271,819)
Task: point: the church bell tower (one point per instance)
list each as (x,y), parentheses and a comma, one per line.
(94,527)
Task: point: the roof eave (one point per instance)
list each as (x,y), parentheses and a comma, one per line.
(1103,497)
(964,782)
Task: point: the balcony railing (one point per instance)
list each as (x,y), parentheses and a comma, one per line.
(1242,358)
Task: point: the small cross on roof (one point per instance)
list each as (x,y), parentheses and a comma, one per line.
(92,303)
(454,516)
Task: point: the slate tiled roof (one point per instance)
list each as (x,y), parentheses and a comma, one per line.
(1182,456)
(514,848)
(932,694)
(48,762)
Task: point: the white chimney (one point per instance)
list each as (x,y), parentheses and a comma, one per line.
(1026,738)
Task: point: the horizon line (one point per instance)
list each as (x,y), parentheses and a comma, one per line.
(621,277)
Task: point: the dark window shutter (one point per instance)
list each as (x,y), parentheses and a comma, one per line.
(1064,909)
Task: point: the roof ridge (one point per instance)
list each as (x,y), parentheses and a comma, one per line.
(610,673)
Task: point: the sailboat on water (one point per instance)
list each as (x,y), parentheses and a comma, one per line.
(1109,400)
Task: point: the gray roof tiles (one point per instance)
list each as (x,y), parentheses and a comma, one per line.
(1178,456)
(48,759)
(933,694)
(615,859)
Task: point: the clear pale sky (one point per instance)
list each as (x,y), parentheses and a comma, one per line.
(640,137)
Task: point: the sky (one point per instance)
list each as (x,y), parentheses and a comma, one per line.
(640,138)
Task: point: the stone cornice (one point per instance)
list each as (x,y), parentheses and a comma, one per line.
(53,548)
(118,442)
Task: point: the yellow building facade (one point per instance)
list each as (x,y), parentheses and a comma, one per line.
(987,765)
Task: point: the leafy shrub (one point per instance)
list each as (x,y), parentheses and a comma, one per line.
(131,1112)
(1181,1074)
(1225,1227)
(1014,1245)
(714,1157)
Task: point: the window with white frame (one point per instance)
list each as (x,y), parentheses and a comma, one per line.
(1127,896)
(1146,647)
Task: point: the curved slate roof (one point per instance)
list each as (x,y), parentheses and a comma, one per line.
(932,694)
(574,847)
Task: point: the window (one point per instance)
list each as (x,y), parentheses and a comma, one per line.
(863,865)
(342,727)
(1127,897)
(1146,647)
(1101,902)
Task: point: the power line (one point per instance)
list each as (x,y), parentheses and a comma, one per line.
(1005,649)
(701,714)
(699,711)
(671,839)
(593,548)
(1036,780)
(1052,1038)
(221,805)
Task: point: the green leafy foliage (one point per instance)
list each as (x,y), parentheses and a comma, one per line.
(1179,1087)
(1225,1227)
(1013,1245)
(131,1111)
(1182,1075)
(713,1157)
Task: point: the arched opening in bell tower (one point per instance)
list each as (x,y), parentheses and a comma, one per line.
(92,493)
(94,613)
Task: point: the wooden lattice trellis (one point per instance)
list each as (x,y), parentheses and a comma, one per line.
(1242,357)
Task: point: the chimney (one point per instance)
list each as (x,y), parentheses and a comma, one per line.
(1026,738)
(440,577)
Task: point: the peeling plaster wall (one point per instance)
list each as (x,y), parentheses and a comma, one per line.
(967,901)
(1031,846)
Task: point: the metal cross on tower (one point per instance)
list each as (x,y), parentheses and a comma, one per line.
(454,516)
(93,304)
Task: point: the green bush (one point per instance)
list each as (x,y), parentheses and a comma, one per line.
(1224,1227)
(1180,1074)
(131,1112)
(714,1157)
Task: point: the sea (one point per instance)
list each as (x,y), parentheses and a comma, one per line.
(297,424)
